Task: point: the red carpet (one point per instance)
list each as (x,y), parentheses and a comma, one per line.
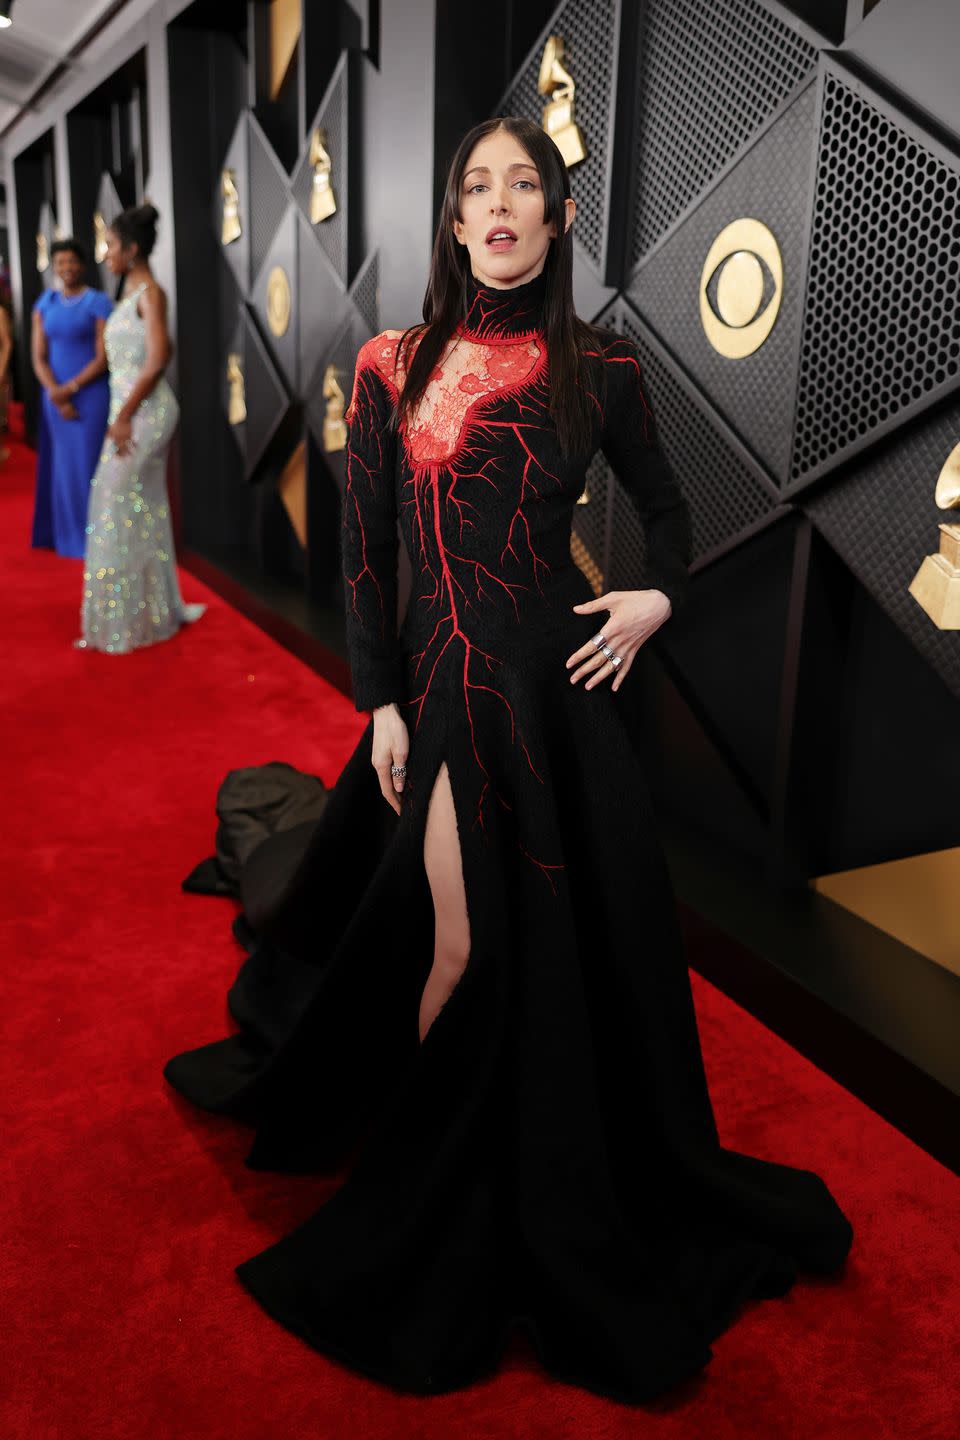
(122,1317)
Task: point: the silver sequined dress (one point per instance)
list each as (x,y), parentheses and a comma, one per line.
(131,596)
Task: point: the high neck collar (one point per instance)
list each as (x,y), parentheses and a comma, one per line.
(504,314)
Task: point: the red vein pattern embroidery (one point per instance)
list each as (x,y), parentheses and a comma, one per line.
(466,467)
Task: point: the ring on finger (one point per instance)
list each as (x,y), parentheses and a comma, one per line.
(398,769)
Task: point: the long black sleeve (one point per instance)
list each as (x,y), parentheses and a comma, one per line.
(369,540)
(631,444)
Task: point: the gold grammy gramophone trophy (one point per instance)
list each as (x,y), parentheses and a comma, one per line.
(231,229)
(323,201)
(43,252)
(936,585)
(334,425)
(557,82)
(99,237)
(237,404)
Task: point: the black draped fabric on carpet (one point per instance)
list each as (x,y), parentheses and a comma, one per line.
(547,1158)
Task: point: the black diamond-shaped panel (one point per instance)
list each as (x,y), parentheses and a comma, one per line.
(711,73)
(237,253)
(365,291)
(321,296)
(266,398)
(282,255)
(47,226)
(590,518)
(590,38)
(342,352)
(332,116)
(269,195)
(234,344)
(883,520)
(771,183)
(728,494)
(110,206)
(881,332)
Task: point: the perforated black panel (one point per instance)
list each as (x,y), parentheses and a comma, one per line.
(269,196)
(711,72)
(282,255)
(881,334)
(237,253)
(883,520)
(108,203)
(727,496)
(234,344)
(365,292)
(332,117)
(342,352)
(322,299)
(266,396)
(771,181)
(589,35)
(590,519)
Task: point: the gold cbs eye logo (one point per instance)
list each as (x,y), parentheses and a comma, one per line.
(741,287)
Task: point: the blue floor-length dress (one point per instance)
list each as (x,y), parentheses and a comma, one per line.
(68,450)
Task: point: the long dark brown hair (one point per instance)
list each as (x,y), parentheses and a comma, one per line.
(445,303)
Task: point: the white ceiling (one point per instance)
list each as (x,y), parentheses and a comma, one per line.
(42,33)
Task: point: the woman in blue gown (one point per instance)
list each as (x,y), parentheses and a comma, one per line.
(70,362)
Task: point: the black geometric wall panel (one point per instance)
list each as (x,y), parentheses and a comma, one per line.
(266,398)
(281,254)
(592,519)
(268,195)
(321,297)
(109,205)
(47,227)
(729,495)
(332,115)
(341,351)
(881,335)
(711,73)
(365,291)
(590,33)
(882,520)
(234,344)
(770,182)
(237,253)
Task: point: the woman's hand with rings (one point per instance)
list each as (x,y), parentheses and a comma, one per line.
(634,616)
(391,745)
(121,433)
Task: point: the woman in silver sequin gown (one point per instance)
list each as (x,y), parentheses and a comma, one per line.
(131,596)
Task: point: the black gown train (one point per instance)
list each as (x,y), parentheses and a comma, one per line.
(548,1157)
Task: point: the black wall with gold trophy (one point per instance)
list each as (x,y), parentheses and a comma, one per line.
(777,229)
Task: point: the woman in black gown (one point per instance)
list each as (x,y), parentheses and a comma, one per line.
(476,993)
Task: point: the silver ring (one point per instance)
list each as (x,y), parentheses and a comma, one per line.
(398,769)
(599,640)
(607,651)
(616,661)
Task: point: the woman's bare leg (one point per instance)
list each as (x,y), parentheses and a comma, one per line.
(444,866)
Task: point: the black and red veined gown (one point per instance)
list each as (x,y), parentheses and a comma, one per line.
(548,1157)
